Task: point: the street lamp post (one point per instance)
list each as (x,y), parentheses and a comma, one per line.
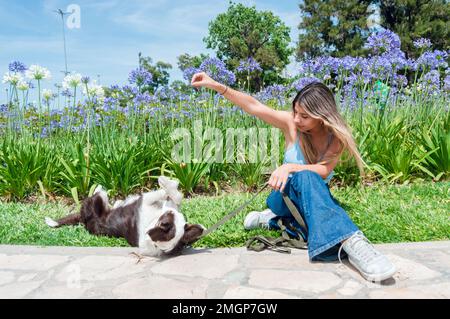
(62,14)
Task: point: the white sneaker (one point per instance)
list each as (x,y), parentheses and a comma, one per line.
(372,265)
(256,219)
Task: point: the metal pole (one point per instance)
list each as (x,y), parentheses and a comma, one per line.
(62,13)
(64,38)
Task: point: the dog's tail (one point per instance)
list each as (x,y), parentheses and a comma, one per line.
(73,219)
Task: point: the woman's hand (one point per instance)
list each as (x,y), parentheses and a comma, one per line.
(202,80)
(279,177)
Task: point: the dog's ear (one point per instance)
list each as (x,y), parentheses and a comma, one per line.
(165,229)
(156,234)
(99,206)
(192,232)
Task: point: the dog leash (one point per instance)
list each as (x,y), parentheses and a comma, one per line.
(230,215)
(296,214)
(281,244)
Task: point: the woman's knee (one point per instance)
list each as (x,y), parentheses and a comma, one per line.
(306,174)
(308,178)
(276,204)
(271,200)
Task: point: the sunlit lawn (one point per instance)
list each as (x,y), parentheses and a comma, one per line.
(386,214)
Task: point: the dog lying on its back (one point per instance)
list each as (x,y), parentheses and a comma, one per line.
(151,221)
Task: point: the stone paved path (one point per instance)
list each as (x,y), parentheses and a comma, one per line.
(69,272)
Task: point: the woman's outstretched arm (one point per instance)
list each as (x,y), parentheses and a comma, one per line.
(250,105)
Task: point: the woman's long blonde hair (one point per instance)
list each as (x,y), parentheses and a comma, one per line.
(318,102)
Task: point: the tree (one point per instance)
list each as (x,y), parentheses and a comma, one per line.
(243,32)
(159,71)
(412,19)
(181,86)
(339,28)
(186,61)
(332,27)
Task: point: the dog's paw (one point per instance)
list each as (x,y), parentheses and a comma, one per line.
(167,183)
(171,188)
(50,222)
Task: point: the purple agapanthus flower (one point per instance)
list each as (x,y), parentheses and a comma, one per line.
(383,41)
(446,84)
(305,67)
(301,83)
(249,65)
(129,92)
(187,113)
(165,93)
(85,80)
(349,98)
(142,99)
(275,91)
(189,72)
(422,43)
(127,88)
(17,67)
(325,65)
(54,113)
(140,77)
(110,104)
(431,81)
(45,132)
(400,80)
(216,69)
(349,63)
(67,93)
(397,59)
(432,59)
(54,125)
(386,65)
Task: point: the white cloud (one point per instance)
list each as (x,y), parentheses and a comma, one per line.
(178,21)
(172,31)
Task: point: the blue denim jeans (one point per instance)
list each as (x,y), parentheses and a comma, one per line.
(328,224)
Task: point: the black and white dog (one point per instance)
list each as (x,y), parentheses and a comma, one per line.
(151,221)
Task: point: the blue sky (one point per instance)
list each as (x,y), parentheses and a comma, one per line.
(113,32)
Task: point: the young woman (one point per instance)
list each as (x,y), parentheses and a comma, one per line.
(316,136)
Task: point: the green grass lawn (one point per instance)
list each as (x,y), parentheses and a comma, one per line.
(386,214)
